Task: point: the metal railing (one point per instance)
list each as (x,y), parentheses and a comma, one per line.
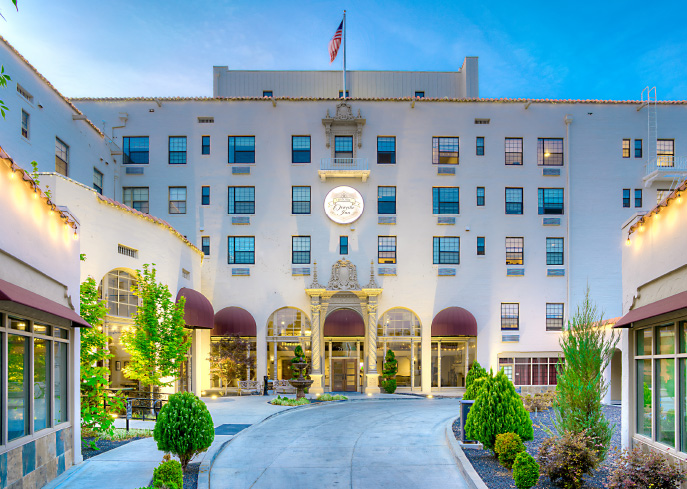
(138,404)
(344,164)
(668,164)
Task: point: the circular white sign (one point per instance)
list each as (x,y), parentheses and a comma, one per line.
(343,205)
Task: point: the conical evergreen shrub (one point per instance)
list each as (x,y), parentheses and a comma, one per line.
(497,409)
(475,372)
(473,389)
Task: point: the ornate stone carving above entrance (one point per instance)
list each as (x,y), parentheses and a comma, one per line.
(344,276)
(344,122)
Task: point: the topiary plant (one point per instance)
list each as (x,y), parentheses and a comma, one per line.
(389,371)
(168,475)
(525,471)
(476,372)
(298,357)
(507,447)
(474,389)
(498,409)
(184,427)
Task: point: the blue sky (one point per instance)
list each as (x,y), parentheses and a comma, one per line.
(597,50)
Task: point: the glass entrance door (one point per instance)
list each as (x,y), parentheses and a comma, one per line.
(344,378)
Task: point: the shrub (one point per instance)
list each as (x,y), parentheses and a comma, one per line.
(476,372)
(634,469)
(507,447)
(298,357)
(541,401)
(565,460)
(329,397)
(184,427)
(286,401)
(389,386)
(474,389)
(525,471)
(498,409)
(168,475)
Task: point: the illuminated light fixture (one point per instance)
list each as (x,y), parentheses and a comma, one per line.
(369,394)
(213,396)
(317,395)
(658,215)
(12,174)
(641,227)
(430,396)
(35,193)
(679,198)
(76,236)
(546,155)
(629,241)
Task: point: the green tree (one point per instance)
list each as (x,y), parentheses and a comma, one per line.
(94,354)
(588,349)
(4,76)
(158,341)
(229,359)
(471,388)
(498,409)
(389,371)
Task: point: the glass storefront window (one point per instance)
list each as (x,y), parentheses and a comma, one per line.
(18,386)
(644,342)
(288,322)
(408,358)
(683,403)
(245,372)
(683,336)
(283,352)
(644,397)
(398,322)
(41,384)
(665,340)
(453,364)
(665,402)
(435,364)
(61,393)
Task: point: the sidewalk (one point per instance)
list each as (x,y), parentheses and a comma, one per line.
(131,466)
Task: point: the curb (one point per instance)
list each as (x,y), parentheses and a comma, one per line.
(66,475)
(471,476)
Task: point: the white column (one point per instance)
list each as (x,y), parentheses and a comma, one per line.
(371,378)
(195,361)
(316,345)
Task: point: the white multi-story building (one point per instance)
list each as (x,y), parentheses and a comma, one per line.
(413,216)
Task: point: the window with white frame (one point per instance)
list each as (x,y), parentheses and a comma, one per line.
(98,180)
(24,124)
(510,316)
(300,250)
(530,370)
(137,198)
(513,151)
(177,200)
(445,151)
(515,251)
(61,157)
(550,152)
(554,317)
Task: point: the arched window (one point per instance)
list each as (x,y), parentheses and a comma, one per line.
(288,321)
(116,288)
(398,322)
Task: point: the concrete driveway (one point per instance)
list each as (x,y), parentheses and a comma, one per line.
(358,444)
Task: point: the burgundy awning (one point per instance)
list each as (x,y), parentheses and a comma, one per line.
(454,321)
(669,304)
(13,293)
(344,322)
(234,320)
(198,312)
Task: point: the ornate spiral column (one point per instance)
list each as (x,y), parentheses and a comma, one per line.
(372,382)
(316,344)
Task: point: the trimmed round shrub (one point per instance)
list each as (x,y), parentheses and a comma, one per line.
(565,460)
(168,475)
(476,372)
(525,471)
(498,409)
(474,389)
(389,386)
(645,469)
(184,427)
(507,447)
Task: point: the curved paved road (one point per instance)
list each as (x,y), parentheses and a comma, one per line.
(366,444)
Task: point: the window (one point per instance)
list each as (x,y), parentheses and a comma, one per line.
(482,121)
(554,251)
(638,148)
(267,93)
(341,94)
(300,250)
(300,200)
(446,251)
(479,146)
(205,196)
(480,196)
(177,150)
(513,200)
(117,288)
(24,93)
(25,124)
(343,147)
(300,149)
(554,317)
(126,251)
(638,197)
(241,149)
(136,150)
(510,316)
(205,245)
(665,151)
(241,250)
(386,149)
(98,181)
(136,198)
(626,197)
(549,152)
(177,200)
(386,200)
(419,94)
(343,245)
(530,371)
(550,201)
(445,151)
(515,251)
(386,249)
(661,194)
(513,151)
(626,148)
(481,247)
(206,120)
(445,200)
(241,200)
(61,157)
(205,145)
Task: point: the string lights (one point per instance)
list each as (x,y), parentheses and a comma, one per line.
(675,197)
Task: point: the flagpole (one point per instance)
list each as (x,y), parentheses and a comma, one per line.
(344,55)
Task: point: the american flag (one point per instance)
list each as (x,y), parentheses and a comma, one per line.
(335,43)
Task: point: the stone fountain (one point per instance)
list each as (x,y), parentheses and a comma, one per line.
(300,383)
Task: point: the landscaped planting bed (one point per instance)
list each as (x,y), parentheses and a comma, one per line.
(495,476)
(108,442)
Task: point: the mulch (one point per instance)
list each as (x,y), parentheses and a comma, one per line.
(103,446)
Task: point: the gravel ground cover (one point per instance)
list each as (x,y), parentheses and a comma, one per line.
(191,476)
(495,476)
(103,446)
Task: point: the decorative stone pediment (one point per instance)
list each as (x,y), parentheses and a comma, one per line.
(344,122)
(344,276)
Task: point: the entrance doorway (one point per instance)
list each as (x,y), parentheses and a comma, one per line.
(344,375)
